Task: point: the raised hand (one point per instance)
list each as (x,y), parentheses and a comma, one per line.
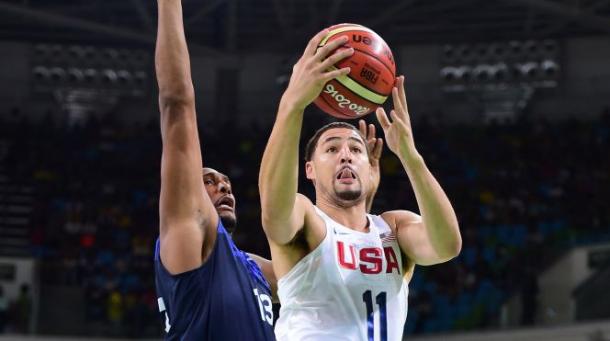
(398,133)
(314,69)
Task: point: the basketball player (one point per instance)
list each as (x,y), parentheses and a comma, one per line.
(208,289)
(343,274)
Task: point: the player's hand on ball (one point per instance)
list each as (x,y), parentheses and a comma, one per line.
(398,133)
(375,146)
(313,70)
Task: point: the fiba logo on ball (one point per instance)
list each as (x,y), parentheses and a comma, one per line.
(371,77)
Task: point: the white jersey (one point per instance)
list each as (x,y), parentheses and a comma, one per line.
(351,287)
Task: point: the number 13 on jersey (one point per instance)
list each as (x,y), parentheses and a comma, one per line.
(265,306)
(373,324)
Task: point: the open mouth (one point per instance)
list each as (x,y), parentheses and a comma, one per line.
(225,203)
(346,175)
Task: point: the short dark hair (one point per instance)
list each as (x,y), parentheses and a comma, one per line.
(313,141)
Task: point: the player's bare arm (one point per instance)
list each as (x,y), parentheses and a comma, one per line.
(278,176)
(283,211)
(375,146)
(435,236)
(267,269)
(187,216)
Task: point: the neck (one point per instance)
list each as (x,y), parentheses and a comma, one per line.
(352,216)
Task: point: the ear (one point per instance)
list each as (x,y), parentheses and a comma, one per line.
(310,170)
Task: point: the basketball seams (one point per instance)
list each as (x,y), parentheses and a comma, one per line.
(364,100)
(373,72)
(343,29)
(375,57)
(351,28)
(345,80)
(358,100)
(366,87)
(377,92)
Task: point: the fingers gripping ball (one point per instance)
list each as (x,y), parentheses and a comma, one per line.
(372,75)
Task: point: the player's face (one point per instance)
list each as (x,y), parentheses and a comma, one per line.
(219,189)
(340,166)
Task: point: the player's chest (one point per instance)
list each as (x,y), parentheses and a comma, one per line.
(358,259)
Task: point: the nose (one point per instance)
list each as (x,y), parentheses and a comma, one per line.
(224,187)
(346,155)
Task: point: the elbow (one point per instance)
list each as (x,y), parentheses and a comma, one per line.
(175,109)
(267,221)
(454,248)
(450,247)
(276,228)
(176,97)
(267,224)
(269,207)
(450,252)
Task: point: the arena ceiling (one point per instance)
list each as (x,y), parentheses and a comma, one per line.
(233,26)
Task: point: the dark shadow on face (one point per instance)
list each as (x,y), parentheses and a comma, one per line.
(218,187)
(349,195)
(229,222)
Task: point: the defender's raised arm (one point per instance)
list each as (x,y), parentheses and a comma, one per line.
(187,217)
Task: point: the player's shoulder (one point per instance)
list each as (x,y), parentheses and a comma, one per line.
(309,209)
(400,217)
(184,253)
(304,201)
(314,227)
(306,206)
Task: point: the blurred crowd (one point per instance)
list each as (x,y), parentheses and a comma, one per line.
(15,314)
(523,192)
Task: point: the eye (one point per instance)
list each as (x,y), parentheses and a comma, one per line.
(331,149)
(356,150)
(208,182)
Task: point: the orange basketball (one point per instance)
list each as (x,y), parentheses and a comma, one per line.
(371,78)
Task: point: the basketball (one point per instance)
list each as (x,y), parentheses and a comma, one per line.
(371,78)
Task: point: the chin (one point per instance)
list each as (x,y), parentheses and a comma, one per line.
(229,221)
(349,195)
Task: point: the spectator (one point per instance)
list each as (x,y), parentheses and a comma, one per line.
(3,310)
(21,310)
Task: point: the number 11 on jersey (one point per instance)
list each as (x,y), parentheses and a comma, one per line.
(380,300)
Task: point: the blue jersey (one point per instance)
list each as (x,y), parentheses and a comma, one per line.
(227,298)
